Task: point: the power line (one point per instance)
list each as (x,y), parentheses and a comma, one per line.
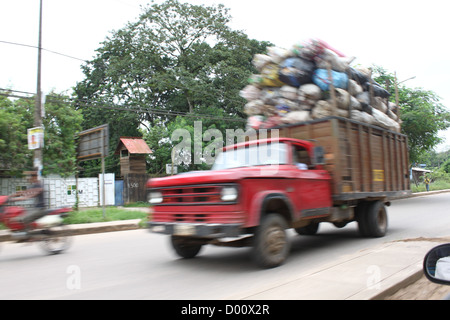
(90,104)
(36,47)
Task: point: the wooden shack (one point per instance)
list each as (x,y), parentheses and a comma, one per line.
(132,152)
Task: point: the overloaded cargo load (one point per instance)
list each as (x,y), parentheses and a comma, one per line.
(312,81)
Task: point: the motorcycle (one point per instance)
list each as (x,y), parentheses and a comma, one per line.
(49,230)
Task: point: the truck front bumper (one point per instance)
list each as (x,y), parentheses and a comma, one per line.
(200,230)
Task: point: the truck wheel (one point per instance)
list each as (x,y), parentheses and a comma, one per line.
(309,230)
(375,220)
(185,248)
(360,215)
(271,244)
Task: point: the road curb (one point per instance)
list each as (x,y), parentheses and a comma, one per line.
(420,194)
(90,228)
(399,285)
(101,227)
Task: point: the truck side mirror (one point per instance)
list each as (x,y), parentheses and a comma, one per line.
(319,155)
(436,264)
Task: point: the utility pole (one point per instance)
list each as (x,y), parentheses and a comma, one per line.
(38,153)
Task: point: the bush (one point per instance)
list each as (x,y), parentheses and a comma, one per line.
(446,166)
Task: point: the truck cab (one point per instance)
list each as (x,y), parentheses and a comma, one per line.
(253,193)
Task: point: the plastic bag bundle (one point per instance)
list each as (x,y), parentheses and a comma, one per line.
(308,49)
(378,91)
(340,64)
(392,115)
(268,110)
(253,108)
(270,122)
(282,109)
(355,104)
(278,54)
(250,92)
(269,76)
(357,75)
(308,94)
(270,95)
(289,92)
(296,71)
(296,116)
(294,85)
(322,109)
(342,99)
(310,91)
(255,122)
(321,78)
(290,104)
(260,61)
(382,120)
(354,88)
(380,105)
(361,116)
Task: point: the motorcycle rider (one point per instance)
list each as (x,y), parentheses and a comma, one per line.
(36,192)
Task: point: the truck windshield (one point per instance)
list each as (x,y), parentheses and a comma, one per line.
(256,155)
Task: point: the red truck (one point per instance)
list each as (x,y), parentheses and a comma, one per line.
(329,170)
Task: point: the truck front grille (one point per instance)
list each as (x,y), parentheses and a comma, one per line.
(192,195)
(196,204)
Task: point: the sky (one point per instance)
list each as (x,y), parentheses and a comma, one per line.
(405,37)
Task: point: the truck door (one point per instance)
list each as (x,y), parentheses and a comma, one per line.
(312,189)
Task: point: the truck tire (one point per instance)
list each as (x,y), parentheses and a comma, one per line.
(309,230)
(360,215)
(374,222)
(184,247)
(271,244)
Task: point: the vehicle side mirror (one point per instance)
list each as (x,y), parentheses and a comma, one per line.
(436,264)
(319,155)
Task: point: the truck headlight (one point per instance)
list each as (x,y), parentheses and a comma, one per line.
(229,194)
(155,197)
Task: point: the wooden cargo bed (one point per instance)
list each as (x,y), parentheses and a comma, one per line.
(365,161)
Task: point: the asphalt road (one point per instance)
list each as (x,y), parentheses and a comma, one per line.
(140,265)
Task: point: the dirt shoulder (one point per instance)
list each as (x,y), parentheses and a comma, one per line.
(423,289)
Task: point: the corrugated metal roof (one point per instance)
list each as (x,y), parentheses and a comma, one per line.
(134,145)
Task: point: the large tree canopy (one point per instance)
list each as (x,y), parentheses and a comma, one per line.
(176,59)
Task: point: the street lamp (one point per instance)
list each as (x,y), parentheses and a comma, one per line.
(396,90)
(407,79)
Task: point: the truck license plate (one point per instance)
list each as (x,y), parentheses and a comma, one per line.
(184,230)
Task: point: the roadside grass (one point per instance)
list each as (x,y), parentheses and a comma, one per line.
(92,215)
(434,186)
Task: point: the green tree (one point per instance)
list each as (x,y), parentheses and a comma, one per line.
(421,112)
(176,59)
(61,122)
(162,140)
(15,118)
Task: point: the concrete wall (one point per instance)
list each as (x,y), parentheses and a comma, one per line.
(62,192)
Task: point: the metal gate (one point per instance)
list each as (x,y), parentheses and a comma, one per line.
(119,192)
